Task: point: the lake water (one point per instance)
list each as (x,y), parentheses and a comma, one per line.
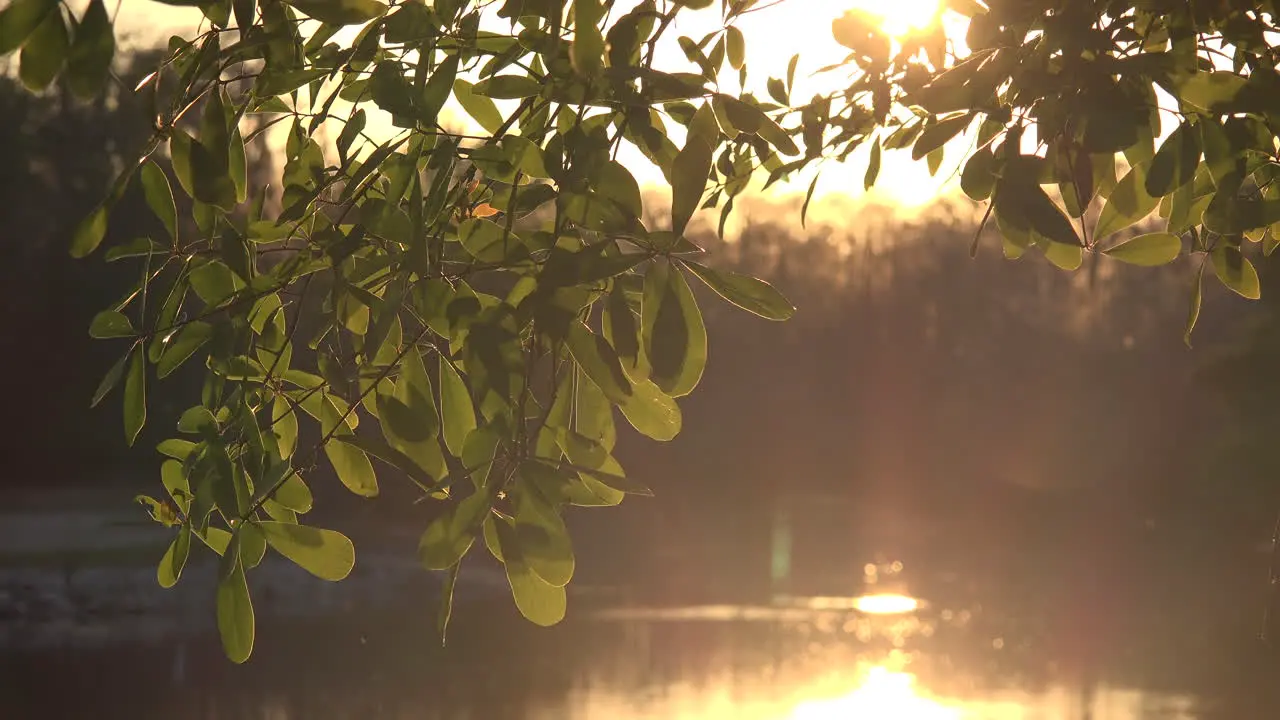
(814,662)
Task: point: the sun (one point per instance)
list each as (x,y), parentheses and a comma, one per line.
(901,17)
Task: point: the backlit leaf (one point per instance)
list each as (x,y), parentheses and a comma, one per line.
(587,50)
(938,134)
(748,293)
(1147,250)
(449,536)
(675,338)
(457,413)
(175,558)
(652,412)
(735,47)
(539,602)
(44,53)
(111,324)
(689,172)
(600,363)
(235,612)
(135,397)
(349,462)
(1211,91)
(159,196)
(327,554)
(1235,271)
(1128,203)
(340,12)
(182,345)
(1175,162)
(89,58)
(89,233)
(19,19)
(110,380)
(480,108)
(543,537)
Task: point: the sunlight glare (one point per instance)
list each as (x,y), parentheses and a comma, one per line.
(882,695)
(886,604)
(900,17)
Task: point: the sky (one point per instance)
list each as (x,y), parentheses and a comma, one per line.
(773,34)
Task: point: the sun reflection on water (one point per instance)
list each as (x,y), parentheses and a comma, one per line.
(883,694)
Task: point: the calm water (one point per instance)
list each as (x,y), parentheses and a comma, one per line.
(732,662)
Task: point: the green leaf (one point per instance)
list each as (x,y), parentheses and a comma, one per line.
(652,412)
(978,178)
(689,172)
(182,345)
(1235,271)
(1063,256)
(1128,203)
(175,558)
(340,12)
(137,247)
(175,448)
(235,611)
(173,477)
(437,90)
(480,108)
(446,601)
(1147,250)
(674,336)
(197,419)
(44,53)
(244,14)
(543,537)
(214,282)
(735,47)
(327,554)
(587,49)
(422,473)
(748,293)
(938,134)
(211,181)
(89,58)
(618,184)
(89,233)
(216,538)
(135,397)
(349,462)
(1193,309)
(1211,91)
(450,535)
(19,19)
(620,327)
(253,546)
(508,87)
(541,603)
(599,361)
(873,167)
(409,418)
(110,380)
(1021,203)
(111,324)
(486,240)
(159,196)
(458,414)
(1174,164)
(294,493)
(284,425)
